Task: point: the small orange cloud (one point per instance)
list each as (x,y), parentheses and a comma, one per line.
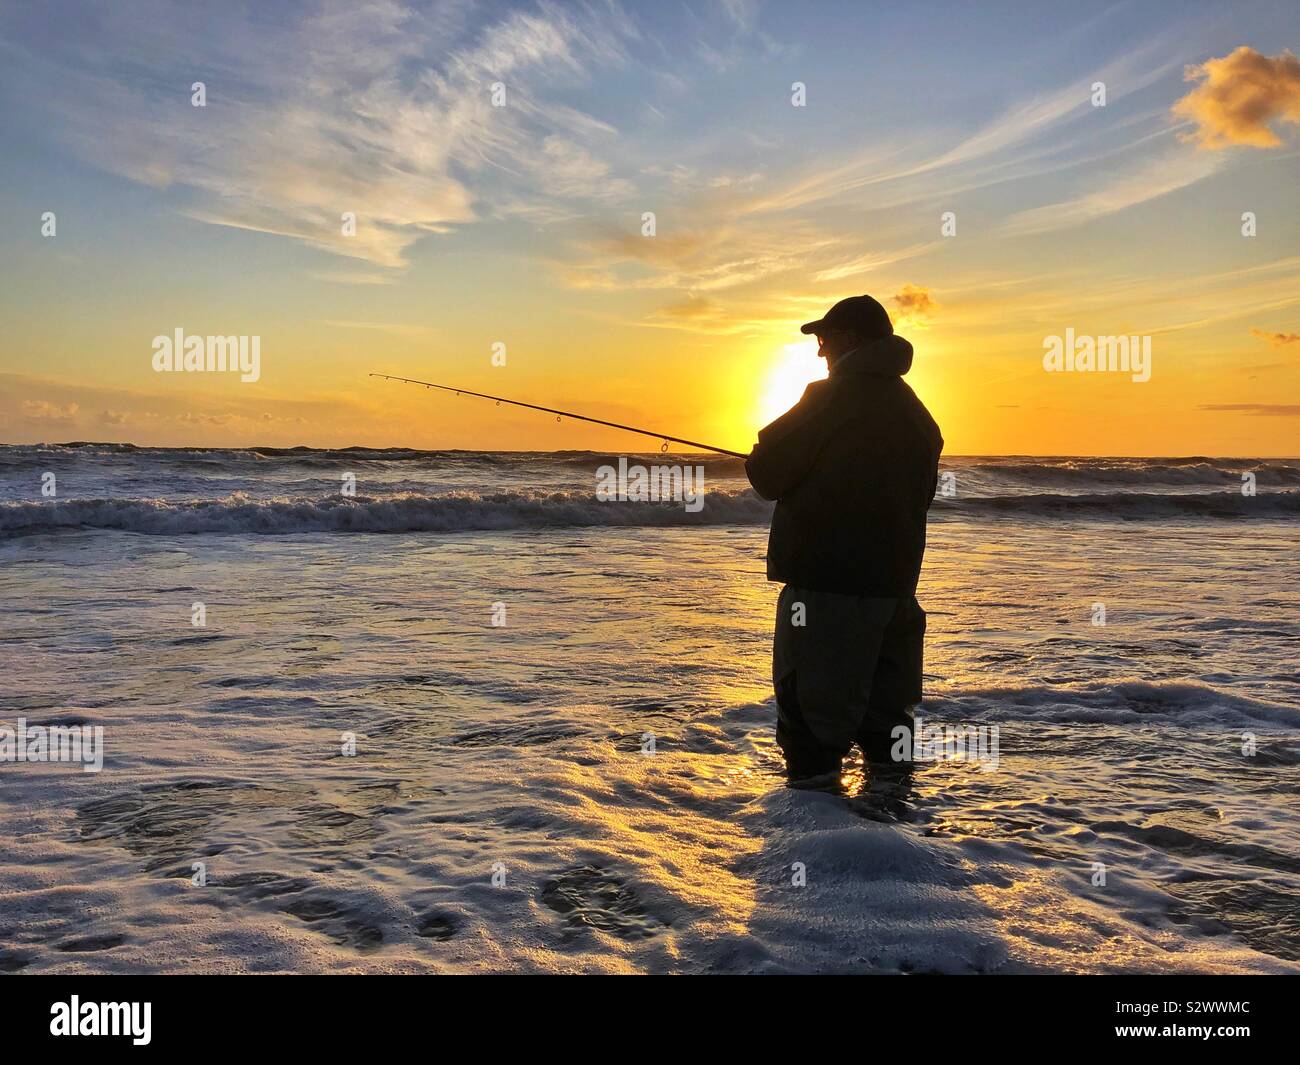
(914,303)
(1267,410)
(1277,339)
(1239,96)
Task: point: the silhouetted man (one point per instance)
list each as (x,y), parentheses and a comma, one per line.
(853,467)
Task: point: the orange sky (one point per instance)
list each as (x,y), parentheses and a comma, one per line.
(524,225)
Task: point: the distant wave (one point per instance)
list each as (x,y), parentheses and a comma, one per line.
(20,456)
(1080,472)
(464,511)
(1131,506)
(1062,472)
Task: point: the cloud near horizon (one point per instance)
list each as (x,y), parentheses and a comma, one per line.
(44,410)
(1277,340)
(1272,410)
(80,409)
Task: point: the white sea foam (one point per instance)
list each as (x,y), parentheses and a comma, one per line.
(610,861)
(1161,746)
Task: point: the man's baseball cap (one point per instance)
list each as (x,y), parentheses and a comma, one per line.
(857,314)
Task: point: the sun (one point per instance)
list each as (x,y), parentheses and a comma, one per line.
(793,368)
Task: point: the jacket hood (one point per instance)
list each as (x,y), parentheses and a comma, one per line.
(889,356)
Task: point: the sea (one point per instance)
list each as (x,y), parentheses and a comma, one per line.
(392,710)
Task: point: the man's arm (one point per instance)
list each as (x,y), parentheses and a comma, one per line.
(787,449)
(934,481)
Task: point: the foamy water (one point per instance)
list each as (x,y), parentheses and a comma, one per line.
(501,812)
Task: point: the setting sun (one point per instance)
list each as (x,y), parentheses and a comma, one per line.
(792,370)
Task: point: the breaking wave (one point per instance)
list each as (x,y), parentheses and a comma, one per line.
(468,511)
(408,512)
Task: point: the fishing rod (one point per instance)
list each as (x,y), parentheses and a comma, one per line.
(567,414)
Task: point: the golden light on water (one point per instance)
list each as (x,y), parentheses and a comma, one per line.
(793,368)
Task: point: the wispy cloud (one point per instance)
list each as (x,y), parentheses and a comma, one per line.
(988,147)
(1148,180)
(354,277)
(386,113)
(392,328)
(862,264)
(1271,410)
(1277,340)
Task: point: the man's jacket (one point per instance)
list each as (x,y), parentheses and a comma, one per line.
(853,467)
